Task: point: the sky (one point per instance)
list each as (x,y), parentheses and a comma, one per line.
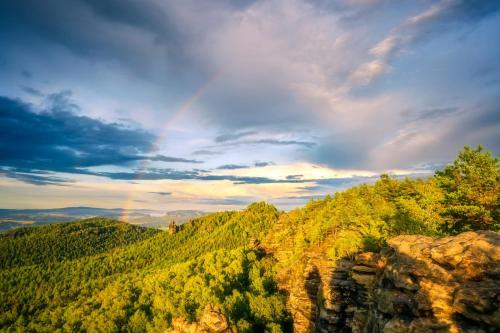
(212,105)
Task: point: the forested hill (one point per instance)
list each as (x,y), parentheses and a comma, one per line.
(106,276)
(66,241)
(146,283)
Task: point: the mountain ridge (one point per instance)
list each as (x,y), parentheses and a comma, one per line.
(12,218)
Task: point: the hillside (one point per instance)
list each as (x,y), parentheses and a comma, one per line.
(259,269)
(143,280)
(66,241)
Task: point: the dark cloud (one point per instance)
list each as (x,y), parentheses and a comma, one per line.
(333,184)
(150,174)
(162,193)
(232,167)
(26,74)
(38,178)
(170,174)
(271,142)
(129,33)
(58,140)
(429,114)
(233,136)
(144,15)
(225,201)
(162,158)
(158,174)
(242,166)
(205,152)
(263,164)
(306,144)
(32,91)
(312,188)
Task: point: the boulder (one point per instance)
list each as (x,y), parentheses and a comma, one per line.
(212,321)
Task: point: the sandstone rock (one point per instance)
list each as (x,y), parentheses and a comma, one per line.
(211,321)
(392,301)
(214,320)
(369,259)
(364,269)
(479,302)
(428,325)
(396,276)
(448,254)
(366,280)
(396,325)
(181,325)
(417,285)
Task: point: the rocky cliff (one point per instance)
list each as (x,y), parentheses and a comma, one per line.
(417,284)
(211,321)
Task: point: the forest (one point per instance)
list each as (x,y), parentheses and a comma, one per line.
(109,276)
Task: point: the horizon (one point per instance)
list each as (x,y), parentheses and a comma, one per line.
(211,106)
(243,206)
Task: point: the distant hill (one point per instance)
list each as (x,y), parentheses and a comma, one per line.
(162,221)
(13,218)
(66,241)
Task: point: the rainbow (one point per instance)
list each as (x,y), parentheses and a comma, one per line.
(128,205)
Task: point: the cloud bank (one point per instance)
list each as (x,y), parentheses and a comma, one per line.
(213,91)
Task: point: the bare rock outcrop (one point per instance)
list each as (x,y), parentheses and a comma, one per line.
(418,284)
(211,321)
(449,284)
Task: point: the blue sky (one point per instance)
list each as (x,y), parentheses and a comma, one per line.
(214,104)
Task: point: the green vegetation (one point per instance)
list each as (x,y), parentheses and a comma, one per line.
(146,284)
(66,241)
(471,186)
(108,276)
(464,196)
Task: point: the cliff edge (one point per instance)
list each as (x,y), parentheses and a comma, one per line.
(417,284)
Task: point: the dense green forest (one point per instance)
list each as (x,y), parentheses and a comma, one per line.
(66,241)
(108,276)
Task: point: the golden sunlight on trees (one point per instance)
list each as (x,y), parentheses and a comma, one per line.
(471,186)
(104,275)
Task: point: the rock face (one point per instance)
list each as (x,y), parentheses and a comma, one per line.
(418,285)
(211,321)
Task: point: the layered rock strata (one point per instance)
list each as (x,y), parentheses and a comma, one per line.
(418,284)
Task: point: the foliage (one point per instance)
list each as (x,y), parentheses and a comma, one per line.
(141,286)
(464,196)
(472,190)
(107,276)
(66,241)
